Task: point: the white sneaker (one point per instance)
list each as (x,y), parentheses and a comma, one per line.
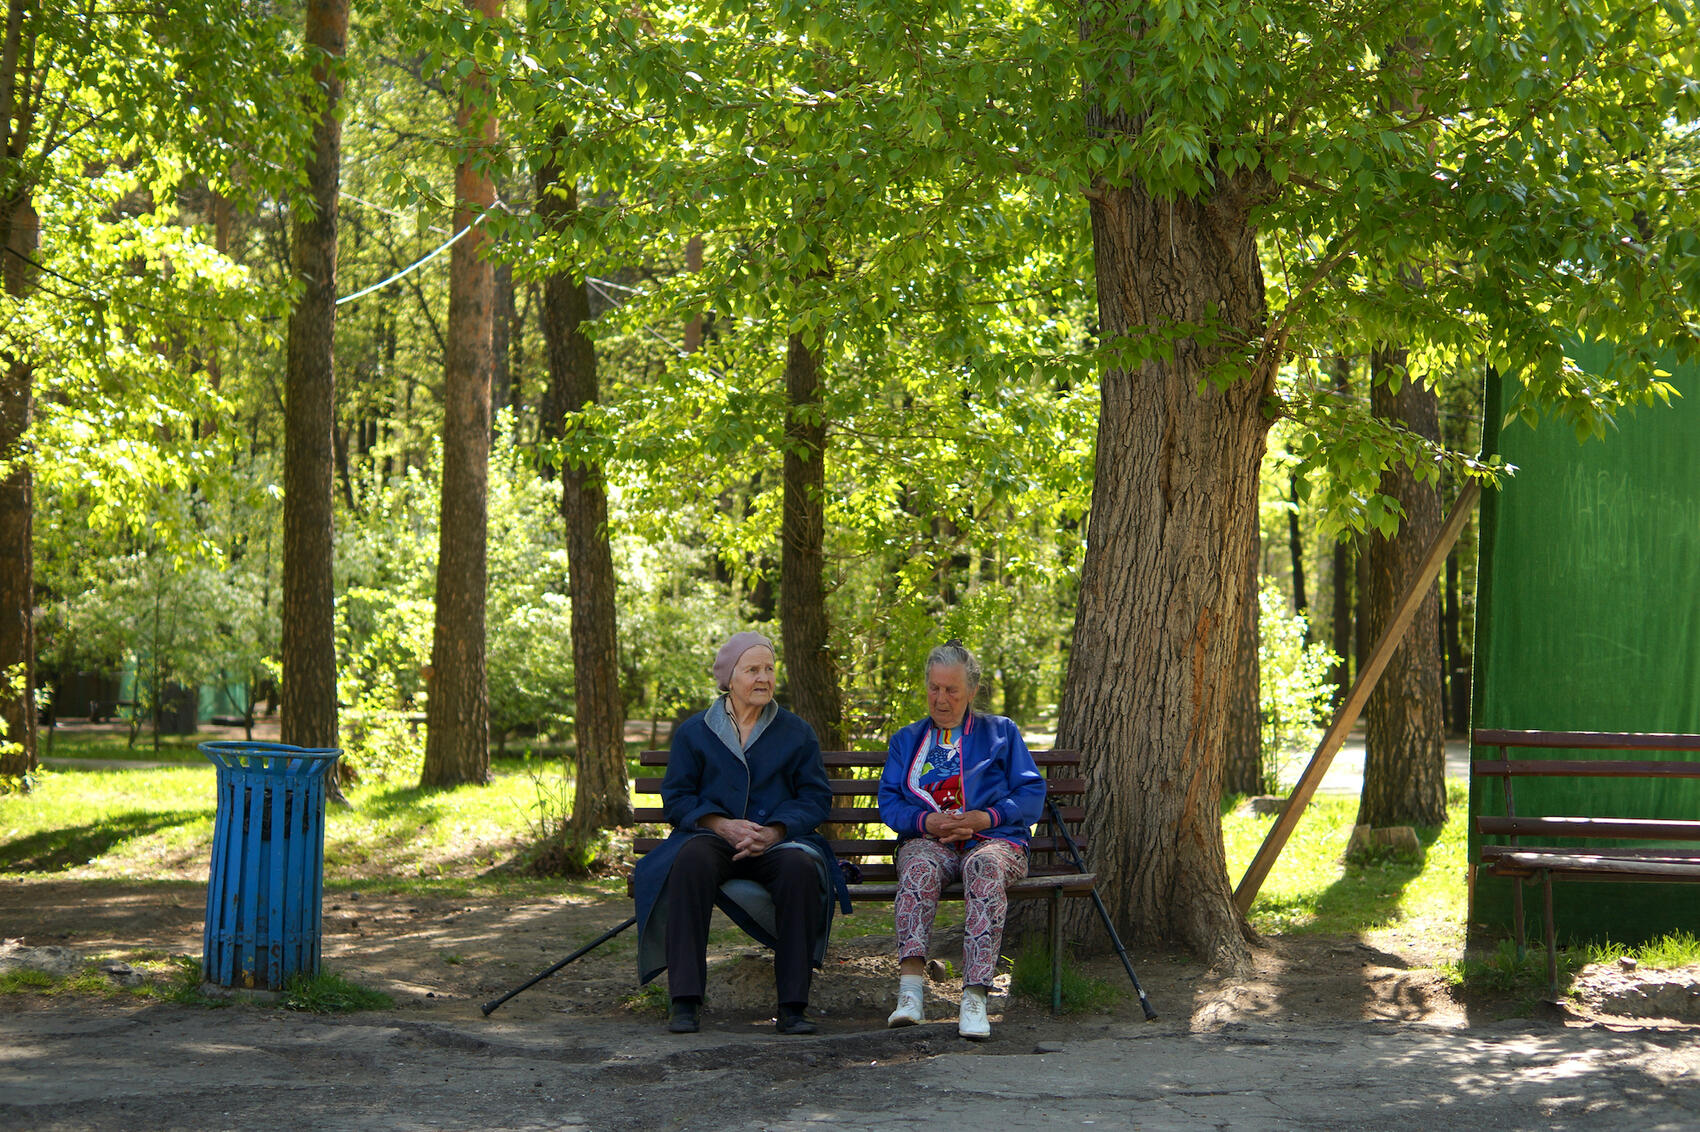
(971,1022)
(908,1012)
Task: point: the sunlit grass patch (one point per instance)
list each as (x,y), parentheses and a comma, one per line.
(330,993)
(1313,889)
(158,823)
(115,746)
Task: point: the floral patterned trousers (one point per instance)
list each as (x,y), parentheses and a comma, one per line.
(925,866)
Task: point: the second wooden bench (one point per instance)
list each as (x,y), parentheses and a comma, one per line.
(1560,841)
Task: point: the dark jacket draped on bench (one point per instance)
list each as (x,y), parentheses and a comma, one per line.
(779,778)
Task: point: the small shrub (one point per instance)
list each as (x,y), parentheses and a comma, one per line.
(651,998)
(1678,949)
(327,993)
(1081,993)
(25,980)
(1294,693)
(555,848)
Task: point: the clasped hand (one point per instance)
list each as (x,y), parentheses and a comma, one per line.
(957,827)
(748,838)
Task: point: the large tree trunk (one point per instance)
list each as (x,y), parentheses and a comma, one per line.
(309,634)
(1341,576)
(21,230)
(1296,552)
(1242,771)
(811,672)
(457,744)
(1174,511)
(1341,572)
(1405,763)
(602,795)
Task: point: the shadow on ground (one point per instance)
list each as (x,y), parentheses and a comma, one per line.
(55,850)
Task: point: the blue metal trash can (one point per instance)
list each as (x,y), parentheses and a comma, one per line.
(266,884)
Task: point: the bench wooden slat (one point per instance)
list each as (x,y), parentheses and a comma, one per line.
(859,815)
(1585,768)
(1649,829)
(1628,852)
(869,787)
(1031,888)
(1588,740)
(882,847)
(877,758)
(1529,862)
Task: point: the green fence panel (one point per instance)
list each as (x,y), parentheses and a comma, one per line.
(1588,619)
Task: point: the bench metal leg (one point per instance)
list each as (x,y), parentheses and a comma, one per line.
(1552,946)
(1517,913)
(1055,926)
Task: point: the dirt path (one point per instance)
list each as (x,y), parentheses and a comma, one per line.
(1326,1033)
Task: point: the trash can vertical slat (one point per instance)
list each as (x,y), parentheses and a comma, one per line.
(215,921)
(265,882)
(277,935)
(230,922)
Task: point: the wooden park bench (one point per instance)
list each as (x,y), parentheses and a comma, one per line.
(1052,874)
(1560,847)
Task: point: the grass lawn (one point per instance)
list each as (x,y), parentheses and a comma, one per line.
(156,823)
(1313,889)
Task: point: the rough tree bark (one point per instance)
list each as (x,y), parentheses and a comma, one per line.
(457,715)
(1174,508)
(1341,572)
(1242,771)
(602,795)
(811,673)
(1405,760)
(17,563)
(308,643)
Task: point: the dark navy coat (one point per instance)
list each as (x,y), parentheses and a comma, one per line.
(780,778)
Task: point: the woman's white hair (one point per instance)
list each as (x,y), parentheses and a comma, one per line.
(951,654)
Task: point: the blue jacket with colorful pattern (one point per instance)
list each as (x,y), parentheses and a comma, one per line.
(998,776)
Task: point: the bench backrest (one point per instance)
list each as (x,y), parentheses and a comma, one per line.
(855,795)
(1513,826)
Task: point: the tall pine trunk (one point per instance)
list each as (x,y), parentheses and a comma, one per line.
(1173,519)
(811,672)
(1405,761)
(309,635)
(602,796)
(19,226)
(457,742)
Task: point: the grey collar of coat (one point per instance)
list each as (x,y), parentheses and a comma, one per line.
(720,722)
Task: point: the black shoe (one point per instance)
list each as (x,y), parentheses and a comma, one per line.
(684,1019)
(791,1021)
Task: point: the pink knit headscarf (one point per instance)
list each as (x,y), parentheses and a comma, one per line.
(727,658)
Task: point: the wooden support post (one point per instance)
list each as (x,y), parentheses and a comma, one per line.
(1353,705)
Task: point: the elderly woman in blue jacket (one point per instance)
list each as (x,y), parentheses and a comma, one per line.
(962,792)
(745,788)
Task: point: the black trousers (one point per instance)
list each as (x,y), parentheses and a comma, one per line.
(702,866)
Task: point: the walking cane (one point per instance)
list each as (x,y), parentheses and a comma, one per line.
(540,976)
(1103,913)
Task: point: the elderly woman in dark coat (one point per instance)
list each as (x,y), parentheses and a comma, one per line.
(745,789)
(962,792)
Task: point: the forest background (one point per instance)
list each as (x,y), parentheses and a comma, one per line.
(518,353)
